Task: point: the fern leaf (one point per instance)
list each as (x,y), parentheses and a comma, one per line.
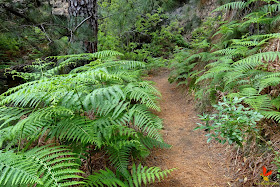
(271,81)
(255,60)
(119,154)
(232,5)
(102,178)
(271,115)
(55,165)
(255,100)
(76,128)
(140,93)
(9,114)
(144,175)
(17,170)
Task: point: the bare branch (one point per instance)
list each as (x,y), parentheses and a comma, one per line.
(47,36)
(80,24)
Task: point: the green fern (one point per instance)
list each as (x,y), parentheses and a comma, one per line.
(104,104)
(139,176)
(232,5)
(45,166)
(275,115)
(256,60)
(104,178)
(144,175)
(55,165)
(15,169)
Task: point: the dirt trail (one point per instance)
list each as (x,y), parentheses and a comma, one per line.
(199,164)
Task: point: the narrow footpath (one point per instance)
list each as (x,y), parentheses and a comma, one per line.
(198,163)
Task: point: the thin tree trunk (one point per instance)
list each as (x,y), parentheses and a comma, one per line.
(95,26)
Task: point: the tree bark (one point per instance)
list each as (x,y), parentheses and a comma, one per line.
(85,9)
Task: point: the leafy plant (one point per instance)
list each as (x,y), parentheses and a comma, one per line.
(104,104)
(232,123)
(140,175)
(45,166)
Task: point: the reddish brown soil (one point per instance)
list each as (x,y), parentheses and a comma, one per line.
(198,164)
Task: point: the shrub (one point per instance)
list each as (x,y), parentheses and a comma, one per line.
(233,122)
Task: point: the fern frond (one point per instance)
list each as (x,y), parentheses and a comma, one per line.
(140,175)
(119,154)
(255,100)
(123,64)
(16,169)
(74,129)
(276,20)
(245,43)
(9,114)
(276,103)
(256,60)
(232,51)
(106,53)
(271,81)
(145,121)
(104,178)
(55,165)
(144,175)
(139,92)
(101,54)
(97,96)
(230,6)
(152,143)
(211,73)
(270,8)
(259,37)
(271,115)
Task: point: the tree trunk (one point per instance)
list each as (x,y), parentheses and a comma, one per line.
(85,9)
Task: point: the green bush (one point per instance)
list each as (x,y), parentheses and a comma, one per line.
(233,122)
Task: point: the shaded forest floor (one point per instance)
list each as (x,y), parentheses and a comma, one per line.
(198,163)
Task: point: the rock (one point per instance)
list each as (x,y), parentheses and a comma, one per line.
(60,7)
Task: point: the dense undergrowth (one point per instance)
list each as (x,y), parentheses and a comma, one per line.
(233,59)
(55,124)
(77,106)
